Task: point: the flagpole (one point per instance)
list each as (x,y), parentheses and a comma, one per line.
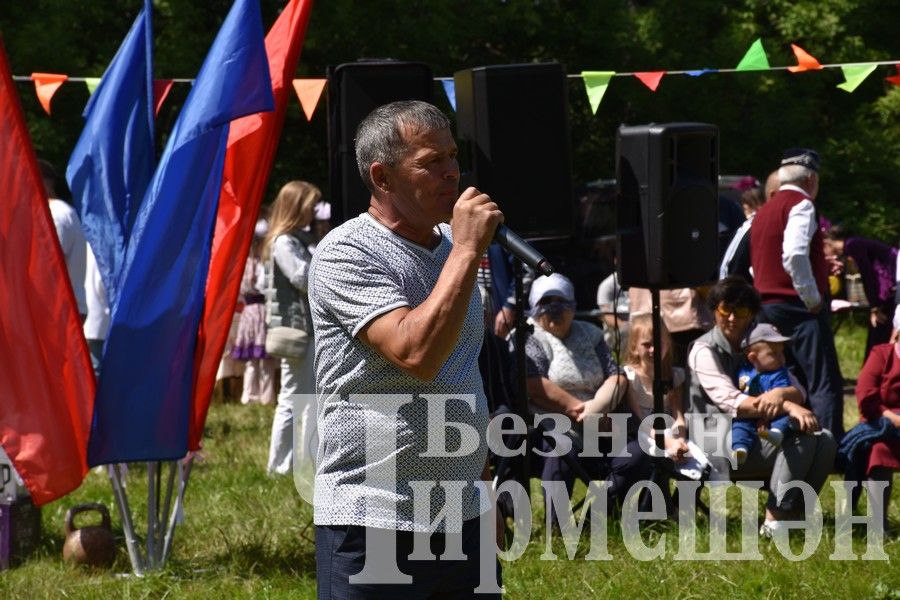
(185,468)
(167,505)
(134,551)
(152,516)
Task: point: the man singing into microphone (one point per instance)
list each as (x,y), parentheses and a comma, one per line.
(396,314)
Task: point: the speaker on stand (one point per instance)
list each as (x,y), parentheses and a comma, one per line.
(355,90)
(667,216)
(667,207)
(512,121)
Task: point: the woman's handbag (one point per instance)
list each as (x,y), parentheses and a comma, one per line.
(286,342)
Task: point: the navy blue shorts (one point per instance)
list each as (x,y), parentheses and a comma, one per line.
(341,552)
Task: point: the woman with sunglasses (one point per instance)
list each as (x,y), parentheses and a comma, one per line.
(714,360)
(571,371)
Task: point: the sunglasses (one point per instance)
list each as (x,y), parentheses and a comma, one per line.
(740,312)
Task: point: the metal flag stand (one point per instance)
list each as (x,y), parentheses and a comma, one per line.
(162,517)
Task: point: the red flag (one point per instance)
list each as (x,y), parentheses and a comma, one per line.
(895,79)
(161,89)
(651,79)
(252,142)
(46,381)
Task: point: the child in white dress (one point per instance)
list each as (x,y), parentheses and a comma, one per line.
(638,359)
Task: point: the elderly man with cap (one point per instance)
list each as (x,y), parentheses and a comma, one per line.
(791,273)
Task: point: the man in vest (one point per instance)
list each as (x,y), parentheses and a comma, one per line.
(791,274)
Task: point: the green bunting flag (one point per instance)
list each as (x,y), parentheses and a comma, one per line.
(596,83)
(91,83)
(755,59)
(854,75)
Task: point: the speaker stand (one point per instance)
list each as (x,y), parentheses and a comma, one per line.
(520,398)
(659,386)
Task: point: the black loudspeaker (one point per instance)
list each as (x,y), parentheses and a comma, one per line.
(354,90)
(512,121)
(667,206)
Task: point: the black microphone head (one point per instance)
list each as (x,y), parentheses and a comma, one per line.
(545,268)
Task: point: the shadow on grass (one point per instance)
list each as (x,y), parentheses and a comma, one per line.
(262,560)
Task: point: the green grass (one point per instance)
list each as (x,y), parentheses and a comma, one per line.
(249,535)
(850,342)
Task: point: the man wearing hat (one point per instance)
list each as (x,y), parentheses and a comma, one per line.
(791,274)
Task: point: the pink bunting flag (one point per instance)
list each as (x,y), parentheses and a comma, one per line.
(308,92)
(895,79)
(651,79)
(805,61)
(45,85)
(161,89)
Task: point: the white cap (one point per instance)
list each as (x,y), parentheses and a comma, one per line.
(551,285)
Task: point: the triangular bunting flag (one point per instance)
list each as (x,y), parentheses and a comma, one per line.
(755,59)
(855,75)
(161,89)
(805,62)
(895,79)
(308,92)
(450,90)
(651,79)
(91,83)
(596,82)
(699,72)
(45,85)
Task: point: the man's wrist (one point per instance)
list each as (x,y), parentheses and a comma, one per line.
(464,251)
(465,256)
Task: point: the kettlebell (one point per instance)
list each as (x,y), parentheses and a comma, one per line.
(93,545)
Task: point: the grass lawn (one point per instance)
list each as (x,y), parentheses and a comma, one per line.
(248,535)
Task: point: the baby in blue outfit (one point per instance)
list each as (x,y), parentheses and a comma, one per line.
(764,350)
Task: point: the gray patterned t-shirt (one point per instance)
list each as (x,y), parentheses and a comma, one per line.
(373,419)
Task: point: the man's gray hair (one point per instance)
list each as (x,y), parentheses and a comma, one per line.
(379,137)
(794,174)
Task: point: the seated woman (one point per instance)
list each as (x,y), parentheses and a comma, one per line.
(878,397)
(714,360)
(571,372)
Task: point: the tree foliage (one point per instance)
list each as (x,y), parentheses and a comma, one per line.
(758,113)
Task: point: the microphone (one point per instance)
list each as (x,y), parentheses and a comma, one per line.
(522,250)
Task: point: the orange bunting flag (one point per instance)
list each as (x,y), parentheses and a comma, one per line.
(805,62)
(651,79)
(45,85)
(161,89)
(895,79)
(309,91)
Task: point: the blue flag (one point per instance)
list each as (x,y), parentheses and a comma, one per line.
(113,162)
(144,396)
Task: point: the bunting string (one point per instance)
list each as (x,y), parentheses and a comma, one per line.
(877,63)
(309,90)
